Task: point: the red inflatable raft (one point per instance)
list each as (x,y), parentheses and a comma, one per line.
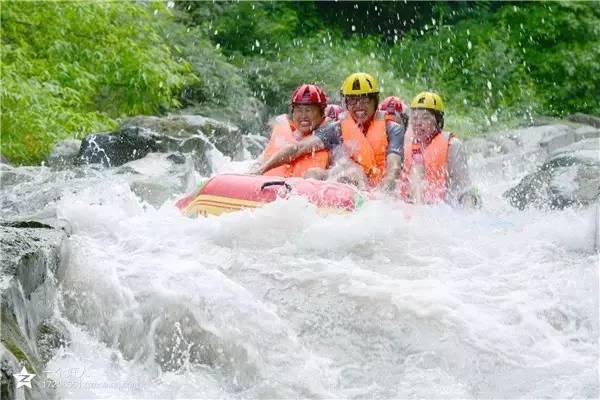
(234,192)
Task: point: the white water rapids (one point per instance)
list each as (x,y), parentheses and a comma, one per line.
(392,301)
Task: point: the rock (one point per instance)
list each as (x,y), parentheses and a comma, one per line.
(588,149)
(179,339)
(64,153)
(570,177)
(50,336)
(9,365)
(505,144)
(112,150)
(545,120)
(32,192)
(524,139)
(513,151)
(157,177)
(42,223)
(31,257)
(480,146)
(553,143)
(586,132)
(254,145)
(4,160)
(531,137)
(142,135)
(585,119)
(14,175)
(175,129)
(176,158)
(25,224)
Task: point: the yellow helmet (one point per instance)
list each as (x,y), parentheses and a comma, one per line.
(359,83)
(429,101)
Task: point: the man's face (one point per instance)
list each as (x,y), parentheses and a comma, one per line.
(424,124)
(306,117)
(361,108)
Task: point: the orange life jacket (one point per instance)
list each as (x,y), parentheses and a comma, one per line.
(435,161)
(282,135)
(370,149)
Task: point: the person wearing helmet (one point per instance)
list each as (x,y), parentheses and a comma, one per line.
(362,137)
(396,109)
(435,166)
(333,111)
(307,108)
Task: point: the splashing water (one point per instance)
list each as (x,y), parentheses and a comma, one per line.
(392,301)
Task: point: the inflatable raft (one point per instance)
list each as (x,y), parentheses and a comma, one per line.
(234,192)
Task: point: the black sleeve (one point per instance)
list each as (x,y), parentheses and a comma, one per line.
(330,135)
(395,136)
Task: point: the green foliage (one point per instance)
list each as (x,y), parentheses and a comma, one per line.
(220,91)
(245,28)
(521,60)
(323,59)
(492,61)
(102,61)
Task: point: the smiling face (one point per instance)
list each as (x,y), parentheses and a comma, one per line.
(306,117)
(424,125)
(361,108)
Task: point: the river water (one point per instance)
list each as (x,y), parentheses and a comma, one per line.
(392,301)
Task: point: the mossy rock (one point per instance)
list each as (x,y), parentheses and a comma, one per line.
(7,385)
(50,336)
(17,343)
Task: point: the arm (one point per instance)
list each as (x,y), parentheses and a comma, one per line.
(395,155)
(460,190)
(290,153)
(393,169)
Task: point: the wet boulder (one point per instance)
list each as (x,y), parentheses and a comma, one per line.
(4,160)
(254,145)
(117,148)
(14,175)
(518,149)
(571,176)
(586,132)
(64,154)
(157,177)
(32,253)
(139,136)
(188,133)
(585,119)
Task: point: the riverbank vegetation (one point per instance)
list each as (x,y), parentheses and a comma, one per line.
(71,68)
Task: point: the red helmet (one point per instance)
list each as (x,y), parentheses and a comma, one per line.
(333,111)
(393,105)
(309,94)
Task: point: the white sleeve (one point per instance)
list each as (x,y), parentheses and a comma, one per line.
(459,181)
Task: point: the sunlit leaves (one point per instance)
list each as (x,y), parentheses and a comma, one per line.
(69,68)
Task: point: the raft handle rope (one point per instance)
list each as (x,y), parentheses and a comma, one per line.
(275,183)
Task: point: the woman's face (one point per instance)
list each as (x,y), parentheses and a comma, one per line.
(361,108)
(424,125)
(306,117)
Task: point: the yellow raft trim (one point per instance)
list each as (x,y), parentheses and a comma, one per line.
(206,204)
